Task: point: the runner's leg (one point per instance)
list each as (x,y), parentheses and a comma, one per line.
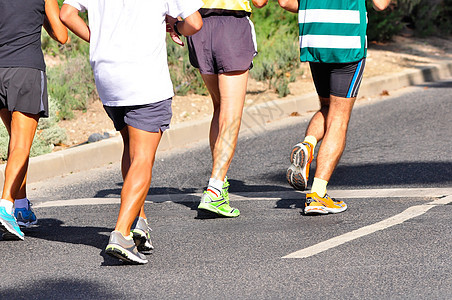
(228,92)
(22,131)
(142,147)
(333,145)
(125,161)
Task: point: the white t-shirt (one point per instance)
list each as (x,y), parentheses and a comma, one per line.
(128,47)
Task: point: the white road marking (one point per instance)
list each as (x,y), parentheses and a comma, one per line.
(78,202)
(266,196)
(409,213)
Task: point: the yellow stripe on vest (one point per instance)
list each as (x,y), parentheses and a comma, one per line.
(228,4)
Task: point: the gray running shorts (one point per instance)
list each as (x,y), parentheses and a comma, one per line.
(337,79)
(224,44)
(153,117)
(24,90)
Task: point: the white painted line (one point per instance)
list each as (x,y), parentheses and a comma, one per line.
(78,202)
(266,196)
(409,213)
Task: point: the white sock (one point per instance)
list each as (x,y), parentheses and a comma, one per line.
(312,140)
(21,203)
(319,187)
(216,184)
(8,205)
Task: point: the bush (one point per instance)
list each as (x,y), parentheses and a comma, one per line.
(72,86)
(47,135)
(383,25)
(277,36)
(425,17)
(431,17)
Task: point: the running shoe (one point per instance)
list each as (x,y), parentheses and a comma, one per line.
(25,216)
(300,158)
(225,191)
(218,204)
(323,205)
(141,236)
(124,249)
(9,226)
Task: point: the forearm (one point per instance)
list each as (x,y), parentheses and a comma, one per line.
(380,4)
(289,5)
(69,16)
(52,23)
(190,25)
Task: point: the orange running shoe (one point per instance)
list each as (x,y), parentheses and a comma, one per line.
(323,205)
(300,158)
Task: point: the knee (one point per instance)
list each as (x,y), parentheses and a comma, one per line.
(143,161)
(17,151)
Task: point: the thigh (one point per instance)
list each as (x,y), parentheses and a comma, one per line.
(143,145)
(340,110)
(232,87)
(23,129)
(346,79)
(321,76)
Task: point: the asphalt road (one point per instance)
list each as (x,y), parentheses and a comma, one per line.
(394,242)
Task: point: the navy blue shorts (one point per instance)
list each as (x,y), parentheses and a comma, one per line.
(224,44)
(153,117)
(337,79)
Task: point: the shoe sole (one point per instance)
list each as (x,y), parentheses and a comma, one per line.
(9,233)
(140,241)
(123,254)
(294,175)
(26,224)
(216,210)
(323,210)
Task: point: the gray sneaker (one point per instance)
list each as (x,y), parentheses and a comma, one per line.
(141,235)
(124,249)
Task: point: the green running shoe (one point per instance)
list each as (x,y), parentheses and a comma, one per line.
(225,191)
(218,204)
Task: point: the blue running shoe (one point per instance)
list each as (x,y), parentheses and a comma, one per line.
(25,216)
(9,226)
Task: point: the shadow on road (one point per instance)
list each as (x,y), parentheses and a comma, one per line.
(420,174)
(53,288)
(54,230)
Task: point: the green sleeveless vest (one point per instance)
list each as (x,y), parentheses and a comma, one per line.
(332,31)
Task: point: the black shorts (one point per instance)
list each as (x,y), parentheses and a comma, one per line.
(152,117)
(24,90)
(337,79)
(224,44)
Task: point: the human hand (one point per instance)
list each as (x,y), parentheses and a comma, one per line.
(170,21)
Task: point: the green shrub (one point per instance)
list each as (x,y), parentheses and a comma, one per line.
(47,135)
(383,25)
(71,84)
(431,17)
(425,17)
(277,38)
(4,140)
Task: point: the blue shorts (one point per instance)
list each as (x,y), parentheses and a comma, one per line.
(153,117)
(337,79)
